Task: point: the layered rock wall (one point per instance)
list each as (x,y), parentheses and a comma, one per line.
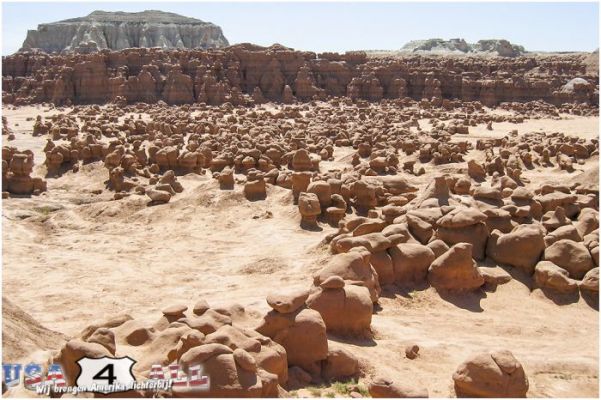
(243,74)
(120,30)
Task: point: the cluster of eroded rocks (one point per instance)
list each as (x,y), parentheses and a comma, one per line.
(390,230)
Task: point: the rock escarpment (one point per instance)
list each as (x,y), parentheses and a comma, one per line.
(246,74)
(121,30)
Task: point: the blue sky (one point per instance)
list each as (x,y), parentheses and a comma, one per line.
(349,26)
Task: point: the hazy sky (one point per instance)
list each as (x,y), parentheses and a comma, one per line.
(349,26)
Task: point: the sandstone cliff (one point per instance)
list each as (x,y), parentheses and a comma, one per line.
(236,73)
(121,30)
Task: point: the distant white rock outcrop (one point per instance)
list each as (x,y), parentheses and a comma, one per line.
(498,47)
(121,30)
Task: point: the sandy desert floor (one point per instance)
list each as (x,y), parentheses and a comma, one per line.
(72,257)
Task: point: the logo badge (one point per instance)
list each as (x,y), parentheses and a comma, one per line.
(106,374)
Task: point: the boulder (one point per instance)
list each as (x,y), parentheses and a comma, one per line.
(410,263)
(302,334)
(521,248)
(564,232)
(255,189)
(352,266)
(345,311)
(381,262)
(461,217)
(590,282)
(411,351)
(491,374)
(309,208)
(381,387)
(438,247)
(572,256)
(455,270)
(227,377)
(341,363)
(373,242)
(158,196)
(476,235)
(287,302)
(75,349)
(549,276)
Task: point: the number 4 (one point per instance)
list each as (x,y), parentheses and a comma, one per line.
(110,374)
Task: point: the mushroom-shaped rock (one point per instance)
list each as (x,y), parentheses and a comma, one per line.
(289,302)
(494,374)
(333,282)
(438,247)
(300,183)
(200,307)
(436,194)
(176,310)
(564,232)
(301,161)
(309,208)
(323,191)
(365,195)
(397,184)
(554,219)
(455,270)
(494,276)
(226,179)
(588,221)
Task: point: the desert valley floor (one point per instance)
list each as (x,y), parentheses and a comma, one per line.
(74,256)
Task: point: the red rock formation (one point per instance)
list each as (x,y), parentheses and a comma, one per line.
(188,76)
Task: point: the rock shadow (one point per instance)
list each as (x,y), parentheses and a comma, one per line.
(590,298)
(366,340)
(560,299)
(469,301)
(393,291)
(311,227)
